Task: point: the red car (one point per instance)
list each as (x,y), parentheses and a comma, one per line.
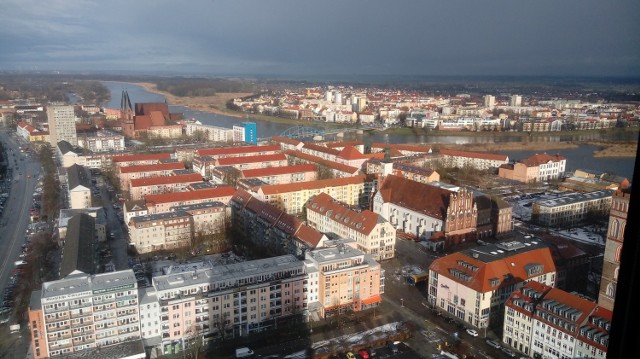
(364,354)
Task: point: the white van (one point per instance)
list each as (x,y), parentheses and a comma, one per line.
(243,352)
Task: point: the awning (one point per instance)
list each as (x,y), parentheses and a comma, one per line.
(371,300)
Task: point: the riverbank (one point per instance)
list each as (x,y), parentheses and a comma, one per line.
(509,146)
(615,149)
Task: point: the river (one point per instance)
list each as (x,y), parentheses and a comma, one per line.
(577,158)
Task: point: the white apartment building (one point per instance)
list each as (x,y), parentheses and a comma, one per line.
(160,231)
(102,142)
(473,285)
(81,312)
(545,322)
(212,133)
(62,125)
(489,101)
(570,209)
(478,160)
(78,187)
(372,234)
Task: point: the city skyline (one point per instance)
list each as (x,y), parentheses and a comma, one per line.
(219,37)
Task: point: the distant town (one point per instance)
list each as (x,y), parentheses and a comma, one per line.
(136,232)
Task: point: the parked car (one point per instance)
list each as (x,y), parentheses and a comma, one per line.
(493,343)
(364,354)
(472,332)
(509,352)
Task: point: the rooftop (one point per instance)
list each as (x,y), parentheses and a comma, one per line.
(572,198)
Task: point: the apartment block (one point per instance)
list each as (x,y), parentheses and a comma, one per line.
(228,301)
(78,187)
(62,125)
(414,173)
(372,234)
(292,197)
(161,231)
(142,187)
(537,168)
(545,322)
(102,142)
(160,203)
(342,279)
(139,159)
(211,133)
(478,160)
(338,170)
(81,312)
(270,228)
(283,174)
(128,173)
(570,209)
(253,162)
(472,285)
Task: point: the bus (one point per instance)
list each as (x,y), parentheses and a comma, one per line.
(417,278)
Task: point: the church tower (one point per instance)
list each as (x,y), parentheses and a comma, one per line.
(613,249)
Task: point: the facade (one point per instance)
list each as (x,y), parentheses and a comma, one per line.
(613,249)
(245,132)
(472,285)
(418,174)
(478,160)
(545,322)
(142,187)
(128,173)
(253,162)
(161,231)
(78,187)
(207,217)
(62,125)
(292,197)
(271,229)
(345,279)
(570,209)
(102,142)
(421,210)
(537,168)
(283,174)
(338,170)
(228,301)
(81,312)
(159,203)
(139,159)
(371,233)
(211,133)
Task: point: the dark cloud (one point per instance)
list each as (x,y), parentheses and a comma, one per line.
(456,37)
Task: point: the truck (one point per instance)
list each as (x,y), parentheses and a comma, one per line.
(244,352)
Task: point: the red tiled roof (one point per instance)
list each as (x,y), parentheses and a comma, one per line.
(272,171)
(420,197)
(287,140)
(218,192)
(350,153)
(236,150)
(331,164)
(160,180)
(479,155)
(318,148)
(343,144)
(537,160)
(480,280)
(153,167)
(228,161)
(142,157)
(363,222)
(309,185)
(309,235)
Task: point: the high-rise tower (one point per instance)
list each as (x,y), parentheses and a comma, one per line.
(62,125)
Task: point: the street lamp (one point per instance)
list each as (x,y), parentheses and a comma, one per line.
(402,302)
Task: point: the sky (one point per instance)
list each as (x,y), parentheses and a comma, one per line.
(323,38)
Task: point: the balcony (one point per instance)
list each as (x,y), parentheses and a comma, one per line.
(80,305)
(80,315)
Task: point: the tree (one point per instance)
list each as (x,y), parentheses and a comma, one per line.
(324,172)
